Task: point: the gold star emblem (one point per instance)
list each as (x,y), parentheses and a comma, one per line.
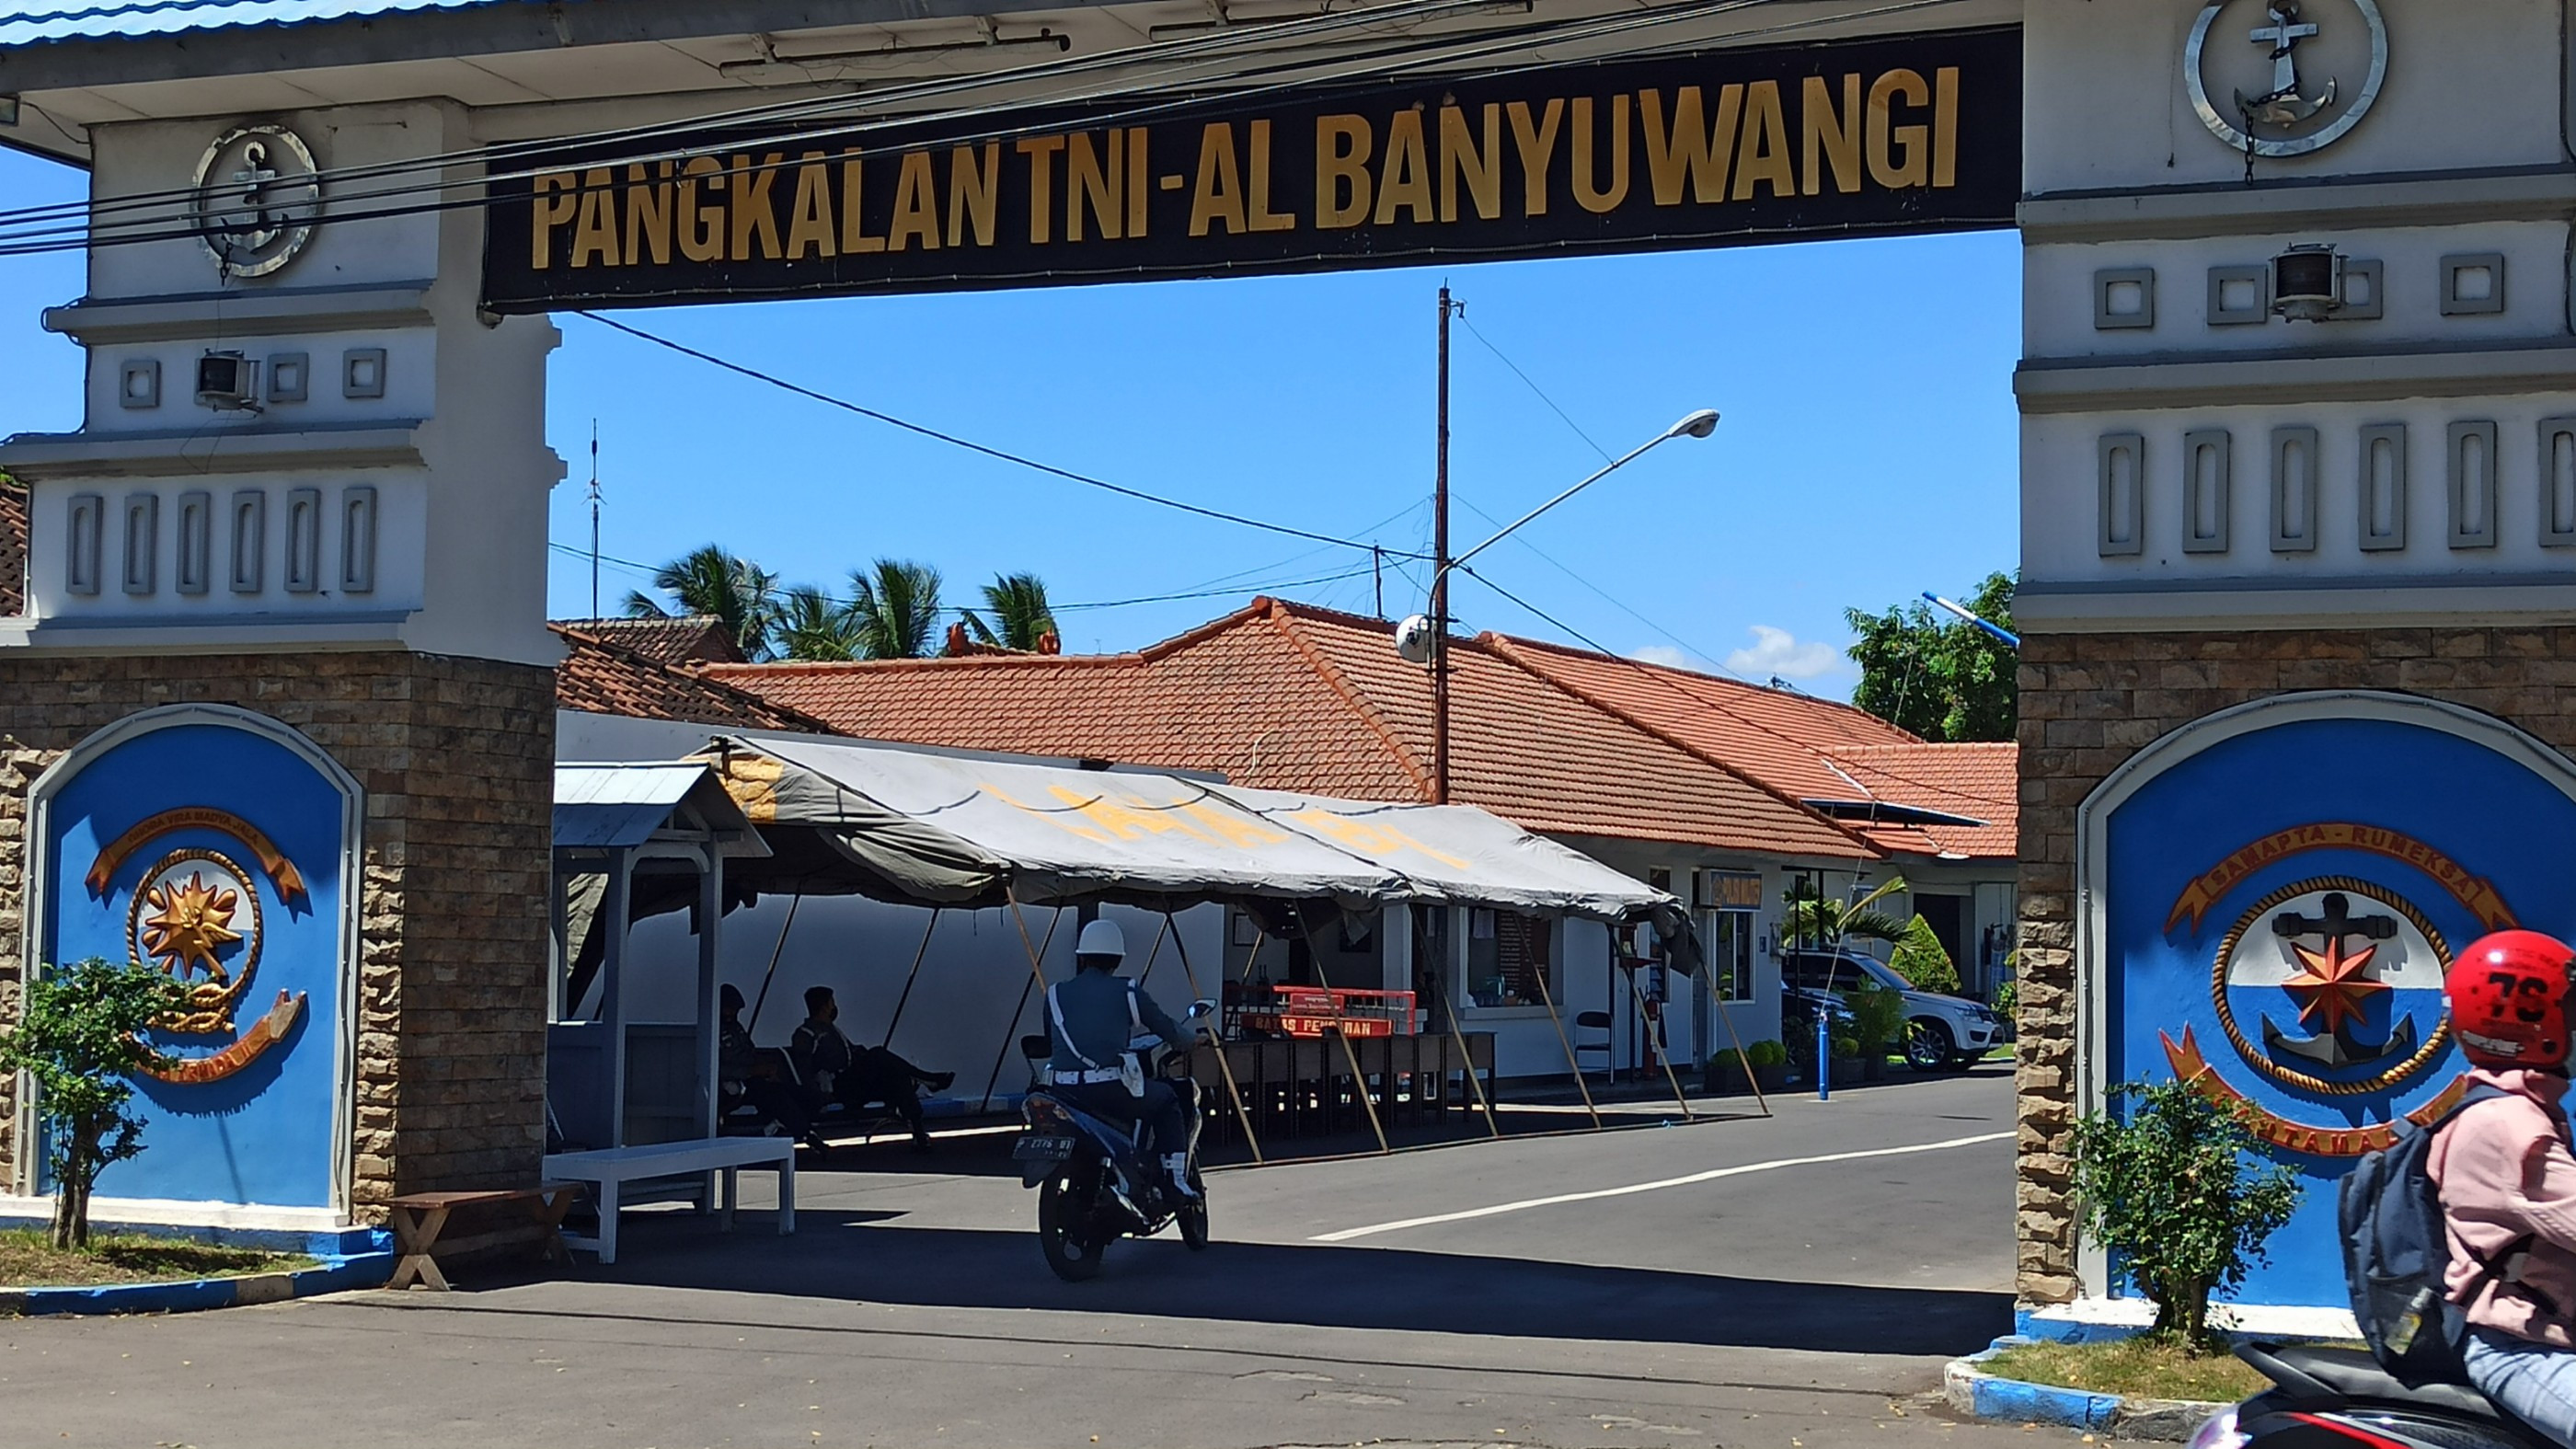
(2331,983)
(191,920)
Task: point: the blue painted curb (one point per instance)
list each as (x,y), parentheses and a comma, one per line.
(334,1274)
(1971,1390)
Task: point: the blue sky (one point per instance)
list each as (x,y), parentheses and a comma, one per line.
(1868,450)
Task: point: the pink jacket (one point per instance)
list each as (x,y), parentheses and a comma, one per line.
(2504,1171)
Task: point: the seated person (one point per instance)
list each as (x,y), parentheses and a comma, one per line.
(744,1074)
(834,1070)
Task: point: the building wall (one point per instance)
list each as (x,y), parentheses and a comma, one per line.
(456,757)
(2089,702)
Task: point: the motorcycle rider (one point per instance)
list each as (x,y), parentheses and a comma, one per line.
(1091,1019)
(2508,1180)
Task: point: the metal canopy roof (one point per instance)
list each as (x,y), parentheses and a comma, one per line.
(618,806)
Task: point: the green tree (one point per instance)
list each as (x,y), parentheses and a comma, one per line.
(894,607)
(1818,920)
(813,625)
(2169,1189)
(1021,618)
(734,591)
(79,1035)
(1942,678)
(1920,958)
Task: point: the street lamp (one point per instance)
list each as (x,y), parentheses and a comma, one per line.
(1424,638)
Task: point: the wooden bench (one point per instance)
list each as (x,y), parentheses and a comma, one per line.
(420,1225)
(608,1169)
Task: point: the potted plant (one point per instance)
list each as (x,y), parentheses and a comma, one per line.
(1878,1016)
(1846,1065)
(1763,1064)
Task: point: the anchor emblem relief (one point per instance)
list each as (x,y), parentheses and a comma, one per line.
(258,198)
(2272,113)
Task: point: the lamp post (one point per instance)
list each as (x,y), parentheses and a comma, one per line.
(1424,638)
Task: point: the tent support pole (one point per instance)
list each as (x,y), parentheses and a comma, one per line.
(1458,1034)
(1580,1085)
(905,999)
(1224,1067)
(1729,1021)
(1155,954)
(1037,977)
(1649,1023)
(1350,1053)
(775,952)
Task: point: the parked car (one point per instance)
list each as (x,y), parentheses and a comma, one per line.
(1940,1031)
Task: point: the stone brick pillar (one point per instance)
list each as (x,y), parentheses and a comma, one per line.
(456,757)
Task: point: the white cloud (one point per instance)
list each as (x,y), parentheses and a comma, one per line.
(1663,654)
(1777,651)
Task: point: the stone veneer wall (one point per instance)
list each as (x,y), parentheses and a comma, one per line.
(2089,702)
(457,759)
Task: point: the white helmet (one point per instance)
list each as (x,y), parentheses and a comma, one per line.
(1102,938)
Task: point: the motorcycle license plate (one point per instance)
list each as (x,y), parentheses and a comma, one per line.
(1042,1147)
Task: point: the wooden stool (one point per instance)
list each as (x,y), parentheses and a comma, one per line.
(420,1219)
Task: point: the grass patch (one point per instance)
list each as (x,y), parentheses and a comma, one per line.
(2137,1368)
(29,1259)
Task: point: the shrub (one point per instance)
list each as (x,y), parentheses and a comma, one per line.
(1846,1048)
(1767,1054)
(2169,1191)
(1878,1014)
(2008,999)
(1920,959)
(79,1034)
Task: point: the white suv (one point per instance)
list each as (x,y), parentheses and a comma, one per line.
(1940,1031)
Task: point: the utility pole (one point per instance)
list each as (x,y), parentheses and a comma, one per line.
(1440,576)
(594,518)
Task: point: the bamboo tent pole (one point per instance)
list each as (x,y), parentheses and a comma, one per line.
(1037,977)
(774,953)
(1728,1020)
(1458,1034)
(1567,1042)
(1662,1056)
(1224,1067)
(1350,1053)
(905,999)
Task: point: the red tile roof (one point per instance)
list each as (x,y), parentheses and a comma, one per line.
(1978,782)
(1288,696)
(672,639)
(605,677)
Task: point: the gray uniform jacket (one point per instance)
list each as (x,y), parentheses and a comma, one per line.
(1094,1006)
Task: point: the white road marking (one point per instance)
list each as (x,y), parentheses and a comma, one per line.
(1712,1175)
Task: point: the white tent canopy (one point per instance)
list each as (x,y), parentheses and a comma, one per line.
(939,829)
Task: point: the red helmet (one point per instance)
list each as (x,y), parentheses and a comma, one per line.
(2508,994)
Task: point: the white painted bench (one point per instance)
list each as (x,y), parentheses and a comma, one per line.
(608,1168)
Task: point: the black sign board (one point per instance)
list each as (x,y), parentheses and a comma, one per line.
(1916,134)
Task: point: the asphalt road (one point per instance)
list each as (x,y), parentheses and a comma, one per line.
(1794,1282)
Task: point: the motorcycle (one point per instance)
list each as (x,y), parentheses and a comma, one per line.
(1094,1182)
(2339,1398)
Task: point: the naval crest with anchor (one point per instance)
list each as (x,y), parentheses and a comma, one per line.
(2282,78)
(258,197)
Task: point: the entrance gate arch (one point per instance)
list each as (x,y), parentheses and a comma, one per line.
(2295,396)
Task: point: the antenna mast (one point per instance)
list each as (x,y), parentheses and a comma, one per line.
(594,518)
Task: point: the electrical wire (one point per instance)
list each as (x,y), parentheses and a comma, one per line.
(82,236)
(968,444)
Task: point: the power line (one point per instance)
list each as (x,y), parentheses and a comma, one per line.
(1669,679)
(985,450)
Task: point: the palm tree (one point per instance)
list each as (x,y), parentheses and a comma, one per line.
(1828,922)
(735,592)
(894,609)
(812,625)
(1018,603)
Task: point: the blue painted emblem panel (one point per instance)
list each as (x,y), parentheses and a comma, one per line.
(2278,910)
(214,853)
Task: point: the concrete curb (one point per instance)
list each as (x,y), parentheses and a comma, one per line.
(332,1275)
(1978,1394)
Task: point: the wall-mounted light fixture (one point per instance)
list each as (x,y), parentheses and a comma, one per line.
(2307,283)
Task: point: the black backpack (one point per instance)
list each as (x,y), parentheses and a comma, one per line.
(2395,1251)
